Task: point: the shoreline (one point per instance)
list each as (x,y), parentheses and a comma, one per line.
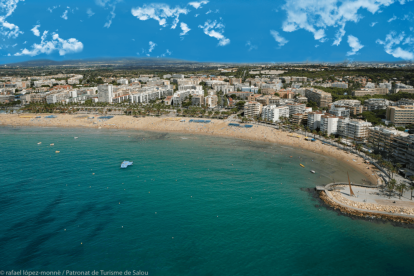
(216,127)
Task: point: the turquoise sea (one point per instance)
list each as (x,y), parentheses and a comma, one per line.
(190,205)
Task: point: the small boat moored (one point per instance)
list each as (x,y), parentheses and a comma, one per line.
(125,164)
(312,171)
(302,166)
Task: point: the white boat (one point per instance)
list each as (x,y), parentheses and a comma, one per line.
(312,171)
(52,144)
(39,143)
(125,164)
(76,137)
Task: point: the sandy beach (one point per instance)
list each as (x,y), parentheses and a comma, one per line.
(215,128)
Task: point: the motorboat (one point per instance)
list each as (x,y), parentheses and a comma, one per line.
(312,171)
(125,164)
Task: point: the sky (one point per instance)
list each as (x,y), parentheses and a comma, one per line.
(208,31)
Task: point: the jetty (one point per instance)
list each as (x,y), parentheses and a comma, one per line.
(367,201)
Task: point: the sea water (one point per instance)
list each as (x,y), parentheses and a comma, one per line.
(189,205)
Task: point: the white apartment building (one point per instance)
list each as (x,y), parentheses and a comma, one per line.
(357,130)
(314,120)
(190,87)
(385,85)
(105,93)
(375,103)
(370,85)
(329,124)
(252,109)
(59,97)
(339,111)
(296,108)
(122,81)
(274,113)
(223,88)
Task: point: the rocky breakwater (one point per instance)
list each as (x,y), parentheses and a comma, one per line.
(384,212)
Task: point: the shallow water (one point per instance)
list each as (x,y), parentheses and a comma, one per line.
(190,205)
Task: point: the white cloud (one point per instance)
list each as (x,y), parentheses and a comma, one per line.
(90,12)
(251,46)
(279,39)
(210,11)
(392,19)
(152,46)
(208,29)
(166,53)
(111,16)
(52,8)
(316,16)
(108,4)
(35,30)
(338,36)
(7,7)
(65,15)
(185,29)
(373,24)
(63,46)
(354,44)
(197,5)
(102,3)
(391,42)
(159,12)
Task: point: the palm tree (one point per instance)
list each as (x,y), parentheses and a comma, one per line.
(411,189)
(391,186)
(401,188)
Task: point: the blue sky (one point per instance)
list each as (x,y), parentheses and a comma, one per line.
(220,31)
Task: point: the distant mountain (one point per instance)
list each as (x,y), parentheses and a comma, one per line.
(125,61)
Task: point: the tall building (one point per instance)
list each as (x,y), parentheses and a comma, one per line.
(105,93)
(274,113)
(296,108)
(314,120)
(329,124)
(340,111)
(300,118)
(403,150)
(375,104)
(321,98)
(381,137)
(354,106)
(357,130)
(400,115)
(252,109)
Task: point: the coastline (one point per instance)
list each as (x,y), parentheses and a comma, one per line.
(214,128)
